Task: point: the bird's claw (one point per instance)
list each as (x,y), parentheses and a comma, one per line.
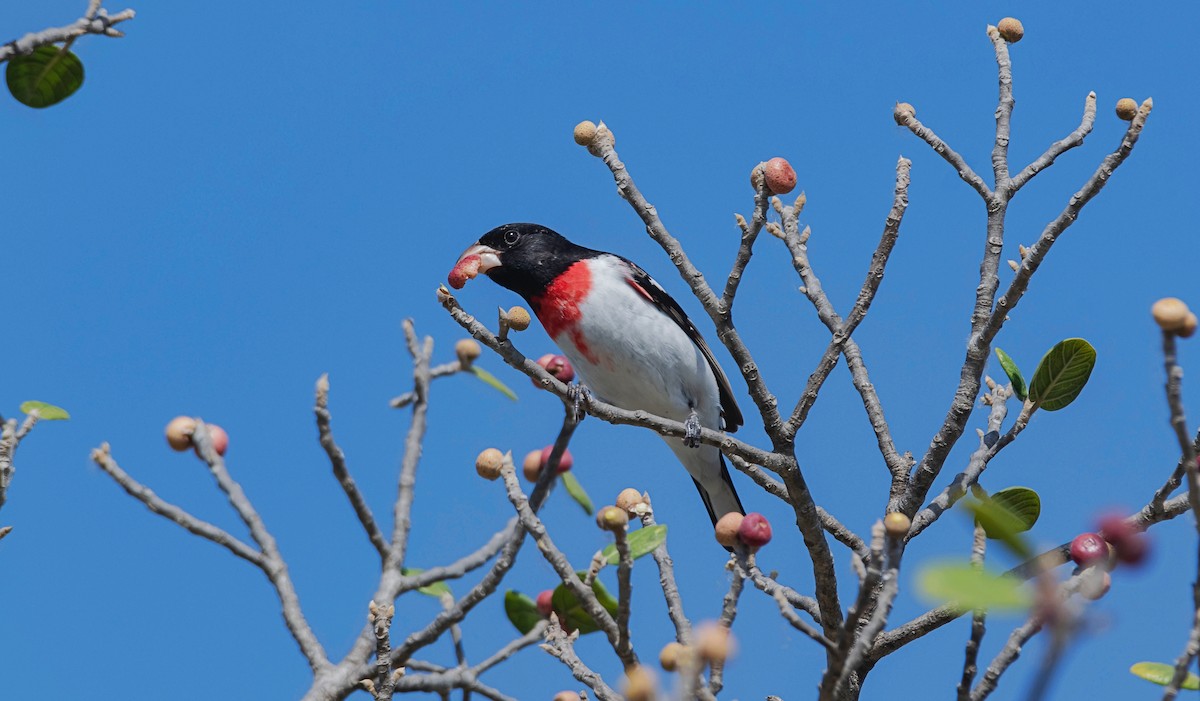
(579,396)
(691,431)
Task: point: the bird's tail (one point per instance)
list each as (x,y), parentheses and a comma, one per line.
(719,496)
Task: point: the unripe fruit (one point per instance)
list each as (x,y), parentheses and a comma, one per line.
(545,602)
(179,432)
(714,643)
(532,466)
(558,366)
(467,351)
(567,696)
(755,531)
(756,176)
(671,655)
(902,112)
(1011,29)
(727,527)
(565,463)
(1189,326)
(896,524)
(639,684)
(488,463)
(1170,313)
(518,318)
(1088,548)
(781,177)
(585,133)
(1095,585)
(610,518)
(220,439)
(628,499)
(1126,108)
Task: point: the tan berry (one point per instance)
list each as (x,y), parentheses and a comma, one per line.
(585,133)
(727,527)
(1126,108)
(1094,584)
(532,465)
(1170,313)
(1189,326)
(780,176)
(1011,29)
(179,432)
(628,499)
(756,176)
(467,351)
(714,643)
(896,524)
(567,696)
(488,463)
(610,518)
(639,684)
(518,318)
(671,656)
(902,112)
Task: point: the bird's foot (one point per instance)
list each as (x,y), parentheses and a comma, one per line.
(691,430)
(579,396)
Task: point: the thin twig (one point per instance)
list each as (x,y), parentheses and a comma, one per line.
(95,21)
(340,471)
(729,606)
(978,623)
(1058,148)
(561,646)
(666,579)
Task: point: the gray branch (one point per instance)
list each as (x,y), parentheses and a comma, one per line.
(95,20)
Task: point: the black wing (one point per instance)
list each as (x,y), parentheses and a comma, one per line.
(659,297)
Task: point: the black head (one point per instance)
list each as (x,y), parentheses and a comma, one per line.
(525,258)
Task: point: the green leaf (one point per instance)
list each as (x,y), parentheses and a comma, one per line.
(45,412)
(522,611)
(571,612)
(999,523)
(490,379)
(577,492)
(45,77)
(1021,502)
(968,588)
(436,590)
(1161,674)
(1061,375)
(1014,374)
(641,542)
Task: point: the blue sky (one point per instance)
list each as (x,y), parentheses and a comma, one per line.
(244,196)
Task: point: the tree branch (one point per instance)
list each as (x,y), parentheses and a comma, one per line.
(95,21)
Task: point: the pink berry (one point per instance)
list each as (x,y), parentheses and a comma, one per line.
(220,439)
(755,531)
(564,464)
(558,366)
(1129,544)
(1088,548)
(464,270)
(781,178)
(545,602)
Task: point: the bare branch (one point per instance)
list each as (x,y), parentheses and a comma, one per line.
(561,646)
(716,679)
(338,460)
(1057,148)
(102,456)
(1003,109)
(95,21)
(951,156)
(402,513)
(666,579)
(978,623)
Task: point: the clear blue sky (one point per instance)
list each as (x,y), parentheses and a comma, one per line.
(245,195)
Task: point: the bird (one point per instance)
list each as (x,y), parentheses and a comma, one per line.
(630,342)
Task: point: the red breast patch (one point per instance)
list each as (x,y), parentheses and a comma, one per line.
(558,307)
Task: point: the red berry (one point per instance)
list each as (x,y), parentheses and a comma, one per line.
(1114,529)
(1133,550)
(220,439)
(544,603)
(755,531)
(464,270)
(558,366)
(564,464)
(1088,548)
(781,178)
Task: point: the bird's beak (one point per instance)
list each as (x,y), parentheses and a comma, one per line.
(488,257)
(476,259)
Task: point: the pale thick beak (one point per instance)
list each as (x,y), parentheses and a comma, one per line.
(488,257)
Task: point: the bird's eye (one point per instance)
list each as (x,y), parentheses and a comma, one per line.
(511,237)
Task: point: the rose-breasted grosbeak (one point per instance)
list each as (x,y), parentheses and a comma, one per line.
(632,344)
